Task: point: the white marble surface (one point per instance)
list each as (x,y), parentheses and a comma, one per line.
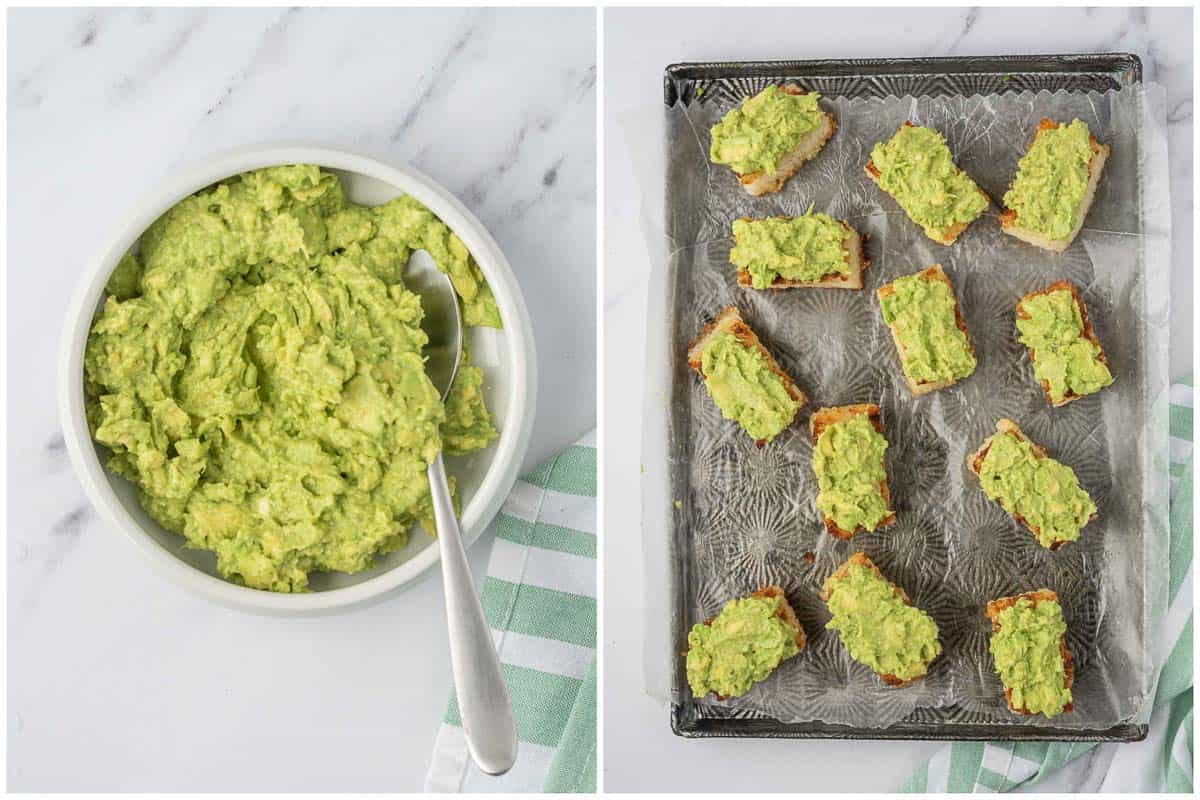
(640,751)
(118,680)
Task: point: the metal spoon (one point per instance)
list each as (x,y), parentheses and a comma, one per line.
(483,703)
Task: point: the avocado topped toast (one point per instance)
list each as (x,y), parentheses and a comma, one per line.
(1055,184)
(928,329)
(1066,356)
(769,136)
(743,644)
(878,624)
(848,448)
(743,378)
(1042,494)
(917,169)
(810,250)
(1029,645)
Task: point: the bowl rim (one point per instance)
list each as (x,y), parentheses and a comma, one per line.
(518,351)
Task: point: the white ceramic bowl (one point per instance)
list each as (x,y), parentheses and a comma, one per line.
(484,478)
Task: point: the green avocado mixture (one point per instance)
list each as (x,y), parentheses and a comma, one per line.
(848,460)
(1051,180)
(1062,356)
(1041,490)
(922,312)
(744,387)
(878,628)
(257,372)
(1028,653)
(917,169)
(805,248)
(753,137)
(743,645)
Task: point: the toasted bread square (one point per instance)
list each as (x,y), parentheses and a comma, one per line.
(934,273)
(1010,224)
(785,613)
(760,183)
(947,235)
(856,260)
(992,612)
(1089,333)
(862,560)
(1007,426)
(823,418)
(730,321)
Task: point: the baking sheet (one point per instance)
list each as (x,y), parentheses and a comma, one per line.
(746,516)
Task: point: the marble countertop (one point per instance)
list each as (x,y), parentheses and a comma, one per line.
(117,680)
(638,45)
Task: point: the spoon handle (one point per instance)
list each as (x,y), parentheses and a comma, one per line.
(483,704)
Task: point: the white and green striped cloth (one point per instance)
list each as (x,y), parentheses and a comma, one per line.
(540,598)
(1161,763)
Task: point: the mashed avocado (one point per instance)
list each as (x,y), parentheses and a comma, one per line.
(1028,653)
(743,645)
(753,137)
(934,348)
(803,248)
(1041,490)
(744,387)
(257,372)
(878,628)
(1062,356)
(848,460)
(1051,180)
(917,169)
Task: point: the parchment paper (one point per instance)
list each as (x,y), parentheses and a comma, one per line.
(743,517)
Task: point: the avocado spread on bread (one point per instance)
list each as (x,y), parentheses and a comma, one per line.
(1052,178)
(1028,653)
(1069,362)
(921,310)
(742,384)
(917,169)
(1037,488)
(754,136)
(848,460)
(805,248)
(742,646)
(877,627)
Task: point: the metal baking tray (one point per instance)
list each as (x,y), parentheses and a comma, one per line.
(689,83)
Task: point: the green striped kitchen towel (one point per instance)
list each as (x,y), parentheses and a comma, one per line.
(1161,763)
(540,598)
